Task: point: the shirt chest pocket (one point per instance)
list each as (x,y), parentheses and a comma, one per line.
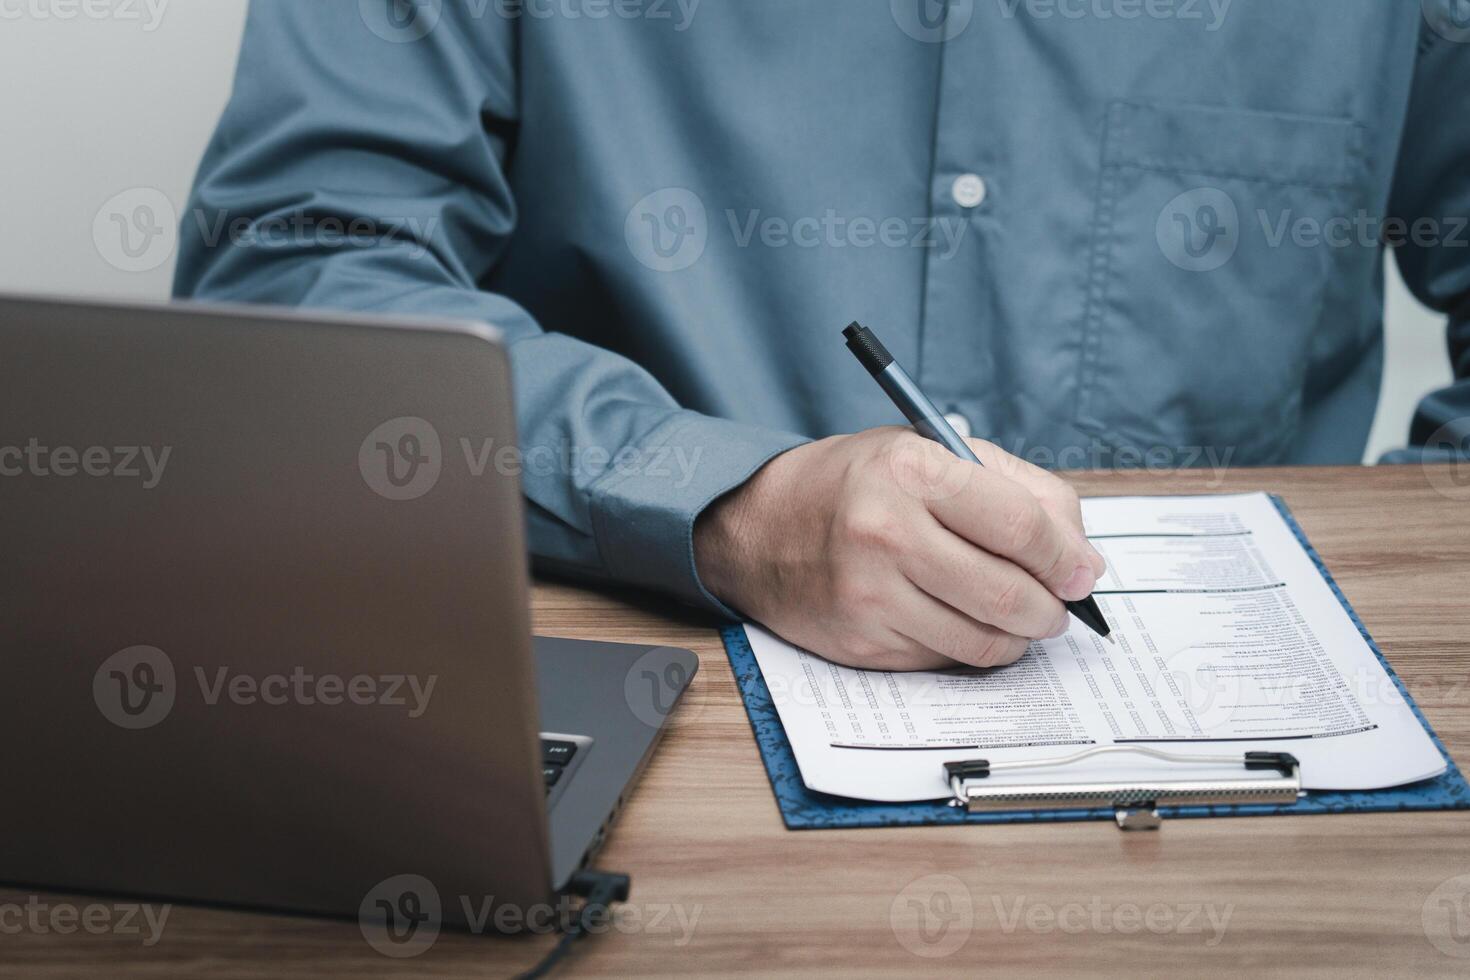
(1201,299)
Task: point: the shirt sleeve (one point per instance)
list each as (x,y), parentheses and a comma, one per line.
(361,164)
(1431,202)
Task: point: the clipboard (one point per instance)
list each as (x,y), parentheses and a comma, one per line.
(1247,787)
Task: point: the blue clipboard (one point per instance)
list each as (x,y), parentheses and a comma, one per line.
(803,809)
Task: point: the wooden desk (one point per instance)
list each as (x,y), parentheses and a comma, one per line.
(1326,896)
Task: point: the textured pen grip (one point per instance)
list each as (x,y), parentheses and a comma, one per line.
(873,355)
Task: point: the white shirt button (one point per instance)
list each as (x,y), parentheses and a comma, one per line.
(959,423)
(969,190)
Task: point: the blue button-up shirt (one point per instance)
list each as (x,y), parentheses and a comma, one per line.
(1100,232)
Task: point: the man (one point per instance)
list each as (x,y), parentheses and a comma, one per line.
(1101,233)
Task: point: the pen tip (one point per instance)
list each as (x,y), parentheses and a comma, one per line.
(1110,639)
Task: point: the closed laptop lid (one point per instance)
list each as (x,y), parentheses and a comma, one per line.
(263,609)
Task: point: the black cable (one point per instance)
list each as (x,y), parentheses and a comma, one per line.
(600,889)
(549,961)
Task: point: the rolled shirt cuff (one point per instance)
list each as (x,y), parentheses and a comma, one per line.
(645,506)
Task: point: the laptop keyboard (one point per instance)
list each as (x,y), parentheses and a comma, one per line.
(555,756)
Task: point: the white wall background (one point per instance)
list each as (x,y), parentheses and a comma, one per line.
(94,106)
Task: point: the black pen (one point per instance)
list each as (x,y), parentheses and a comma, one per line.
(929,423)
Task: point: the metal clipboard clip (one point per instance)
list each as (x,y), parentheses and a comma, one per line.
(1135,805)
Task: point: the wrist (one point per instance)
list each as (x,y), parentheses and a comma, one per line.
(727,540)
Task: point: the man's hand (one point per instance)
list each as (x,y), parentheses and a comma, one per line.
(884,550)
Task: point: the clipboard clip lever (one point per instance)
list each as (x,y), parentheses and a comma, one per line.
(1135,805)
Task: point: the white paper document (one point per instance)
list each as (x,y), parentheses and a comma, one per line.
(1228,640)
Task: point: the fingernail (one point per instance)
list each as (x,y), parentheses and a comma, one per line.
(1079,586)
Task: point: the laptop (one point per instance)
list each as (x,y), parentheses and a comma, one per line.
(265,616)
